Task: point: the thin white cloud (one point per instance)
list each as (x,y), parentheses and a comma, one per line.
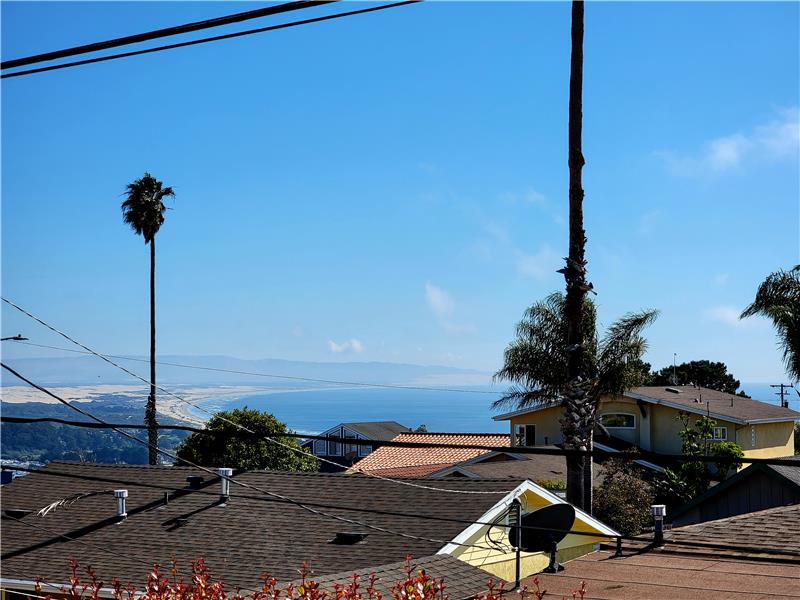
(777,139)
(541,265)
(351,345)
(439,301)
(721,278)
(729,315)
(649,221)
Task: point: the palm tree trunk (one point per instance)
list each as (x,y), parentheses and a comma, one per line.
(575,421)
(150,410)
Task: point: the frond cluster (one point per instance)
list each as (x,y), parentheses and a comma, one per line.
(143,208)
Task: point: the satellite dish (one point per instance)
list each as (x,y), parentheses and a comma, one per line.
(542,530)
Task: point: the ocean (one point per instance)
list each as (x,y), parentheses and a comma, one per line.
(314,411)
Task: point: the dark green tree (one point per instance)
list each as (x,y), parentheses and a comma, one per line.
(705,373)
(624,498)
(143,209)
(778,299)
(537,364)
(223,444)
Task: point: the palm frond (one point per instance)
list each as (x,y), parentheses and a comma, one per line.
(69,501)
(620,350)
(143,208)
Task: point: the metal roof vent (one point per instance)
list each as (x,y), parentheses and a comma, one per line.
(17,513)
(225,474)
(193,482)
(121,495)
(673,390)
(345,538)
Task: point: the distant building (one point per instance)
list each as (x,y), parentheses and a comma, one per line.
(345,454)
(650,418)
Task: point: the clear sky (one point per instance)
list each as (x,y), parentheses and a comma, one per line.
(393,186)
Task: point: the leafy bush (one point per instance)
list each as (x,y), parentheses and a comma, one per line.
(623,499)
(223,444)
(554,485)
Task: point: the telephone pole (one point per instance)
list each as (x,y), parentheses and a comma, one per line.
(782,393)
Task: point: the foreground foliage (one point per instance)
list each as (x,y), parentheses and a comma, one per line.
(623,499)
(411,585)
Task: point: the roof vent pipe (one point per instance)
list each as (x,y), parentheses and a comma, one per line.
(225,474)
(120,495)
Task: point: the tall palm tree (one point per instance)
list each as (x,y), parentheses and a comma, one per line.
(537,362)
(778,299)
(577,429)
(143,209)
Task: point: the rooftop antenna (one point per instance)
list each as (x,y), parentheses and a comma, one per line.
(782,393)
(674,369)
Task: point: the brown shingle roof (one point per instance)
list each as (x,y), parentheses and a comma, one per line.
(535,467)
(678,571)
(722,404)
(239,541)
(395,458)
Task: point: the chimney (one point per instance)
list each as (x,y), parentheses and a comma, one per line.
(120,495)
(225,474)
(659,512)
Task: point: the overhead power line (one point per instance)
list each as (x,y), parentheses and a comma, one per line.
(339,382)
(90,425)
(173,457)
(394,513)
(208,39)
(160,33)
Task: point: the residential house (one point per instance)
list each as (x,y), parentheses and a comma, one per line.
(755,488)
(756,557)
(652,417)
(345,454)
(351,523)
(393,461)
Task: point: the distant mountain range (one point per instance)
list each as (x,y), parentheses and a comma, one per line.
(88,370)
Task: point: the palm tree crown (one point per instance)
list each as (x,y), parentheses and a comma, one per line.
(143,208)
(536,362)
(778,299)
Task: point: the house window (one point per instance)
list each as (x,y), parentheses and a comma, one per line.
(348,448)
(525,435)
(334,448)
(319,447)
(618,420)
(364,450)
(720,434)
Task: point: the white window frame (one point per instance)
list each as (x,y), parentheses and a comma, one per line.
(719,434)
(320,448)
(522,427)
(334,448)
(364,449)
(611,414)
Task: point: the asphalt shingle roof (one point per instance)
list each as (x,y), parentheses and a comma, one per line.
(249,536)
(377,430)
(721,403)
(415,459)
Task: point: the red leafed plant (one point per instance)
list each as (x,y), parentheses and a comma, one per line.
(201,586)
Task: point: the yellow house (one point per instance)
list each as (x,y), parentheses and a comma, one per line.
(488,547)
(652,417)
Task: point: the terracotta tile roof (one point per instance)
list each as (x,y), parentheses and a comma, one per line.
(387,457)
(241,540)
(462,580)
(717,403)
(679,571)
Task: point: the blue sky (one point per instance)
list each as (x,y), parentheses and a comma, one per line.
(393,186)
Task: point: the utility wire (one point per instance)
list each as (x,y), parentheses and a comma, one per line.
(225,419)
(274,376)
(231,479)
(160,33)
(208,39)
(528,450)
(133,484)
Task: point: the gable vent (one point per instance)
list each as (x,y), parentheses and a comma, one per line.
(344,538)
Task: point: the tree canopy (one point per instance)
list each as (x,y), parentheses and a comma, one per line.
(222,444)
(778,299)
(705,373)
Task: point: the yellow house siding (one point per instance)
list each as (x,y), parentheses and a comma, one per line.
(547,423)
(503,564)
(772,440)
(620,404)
